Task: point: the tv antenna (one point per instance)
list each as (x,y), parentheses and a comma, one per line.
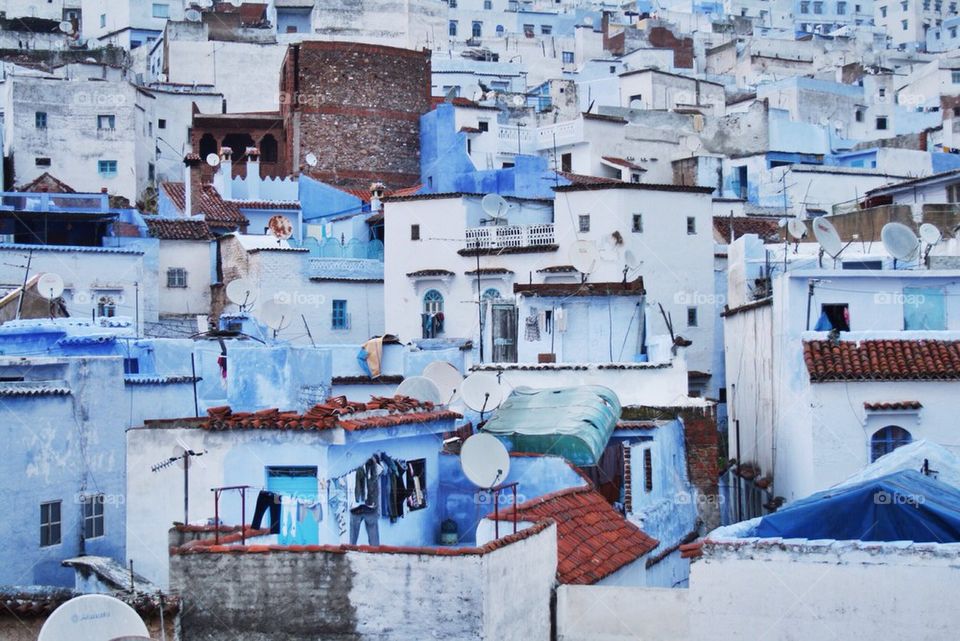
(240,292)
(900,242)
(181,456)
(496,207)
(66,27)
(94,616)
(481,392)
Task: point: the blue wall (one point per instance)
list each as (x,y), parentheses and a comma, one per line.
(319,200)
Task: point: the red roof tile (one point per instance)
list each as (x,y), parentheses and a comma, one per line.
(215,209)
(766,228)
(583,179)
(882,360)
(593,539)
(631,288)
(894,405)
(623,162)
(284,205)
(178,228)
(47,184)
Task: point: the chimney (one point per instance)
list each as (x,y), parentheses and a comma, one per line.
(191,184)
(223,179)
(376,194)
(253,173)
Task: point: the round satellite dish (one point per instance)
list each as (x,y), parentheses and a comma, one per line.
(630,259)
(797,228)
(420,388)
(930,234)
(481,392)
(485,461)
(213,159)
(66,26)
(588,20)
(93,617)
(495,205)
(240,292)
(519,101)
(311,159)
(275,315)
(192,15)
(92,43)
(280,226)
(827,236)
(50,286)
(446,377)
(584,256)
(900,241)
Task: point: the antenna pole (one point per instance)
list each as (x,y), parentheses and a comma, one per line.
(193,370)
(810,287)
(23,289)
(309,335)
(479,302)
(186,487)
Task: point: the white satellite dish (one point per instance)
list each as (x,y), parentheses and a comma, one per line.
(280,226)
(630,259)
(93,617)
(50,285)
(66,27)
(240,292)
(930,234)
(311,159)
(485,461)
(827,236)
(797,228)
(900,241)
(588,20)
(584,256)
(446,377)
(213,159)
(519,101)
(192,15)
(275,315)
(481,392)
(496,206)
(420,388)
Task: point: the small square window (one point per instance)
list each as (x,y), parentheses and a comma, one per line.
(106,121)
(103,20)
(584,223)
(881,123)
(483,125)
(131,366)
(414,232)
(836,316)
(161,124)
(567,57)
(638,223)
(40,119)
(41,162)
(904,5)
(92,516)
(177,277)
(107,168)
(488,4)
(546,30)
(161,10)
(691,225)
(692,317)
(955,77)
(339,318)
(50,523)
(904,24)
(859,115)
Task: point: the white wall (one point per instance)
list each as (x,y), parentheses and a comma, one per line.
(593,612)
(194,256)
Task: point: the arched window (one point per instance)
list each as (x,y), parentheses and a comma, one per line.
(491,294)
(432,302)
(239,143)
(887,440)
(499,30)
(477,29)
(268,148)
(208,145)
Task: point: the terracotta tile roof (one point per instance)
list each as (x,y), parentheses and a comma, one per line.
(178,228)
(470,130)
(766,228)
(623,162)
(364,194)
(593,539)
(558,269)
(380,411)
(430,272)
(882,360)
(583,179)
(40,601)
(284,205)
(894,405)
(460,102)
(632,288)
(491,271)
(48,184)
(215,209)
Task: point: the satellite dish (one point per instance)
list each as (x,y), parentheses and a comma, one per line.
(420,388)
(451,94)
(311,159)
(588,20)
(481,392)
(281,227)
(495,205)
(630,259)
(584,256)
(50,286)
(94,617)
(91,43)
(900,241)
(797,228)
(692,143)
(66,27)
(240,292)
(827,236)
(930,234)
(446,377)
(192,15)
(213,159)
(275,315)
(485,461)
(519,101)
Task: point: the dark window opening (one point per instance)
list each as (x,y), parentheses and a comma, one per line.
(414,232)
(838,315)
(647,471)
(269,149)
(566,162)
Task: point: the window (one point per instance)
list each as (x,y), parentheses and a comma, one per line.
(103,20)
(477,29)
(882,92)
(106,122)
(647,470)
(50,523)
(487,5)
(566,162)
(338,319)
(954,75)
(887,440)
(584,221)
(131,365)
(818,7)
(161,10)
(567,57)
(924,308)
(176,277)
(904,24)
(926,5)
(857,8)
(40,119)
(151,172)
(483,125)
(953,7)
(414,232)
(528,30)
(499,30)
(834,316)
(692,320)
(638,223)
(691,225)
(41,161)
(904,5)
(106,307)
(92,516)
(161,124)
(804,7)
(453,4)
(433,302)
(546,30)
(107,168)
(883,12)
(937,6)
(453,28)
(841,8)
(953,32)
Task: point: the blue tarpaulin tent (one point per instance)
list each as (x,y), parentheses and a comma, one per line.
(903,506)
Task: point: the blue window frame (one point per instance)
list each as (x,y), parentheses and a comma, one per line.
(339,318)
(41,119)
(107,168)
(432,302)
(887,440)
(453,28)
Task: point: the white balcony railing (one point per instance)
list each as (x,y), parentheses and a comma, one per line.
(509,236)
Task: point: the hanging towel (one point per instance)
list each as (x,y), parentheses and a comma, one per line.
(374,350)
(560,320)
(337,504)
(532,328)
(823,324)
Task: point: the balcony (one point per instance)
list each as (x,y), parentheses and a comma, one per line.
(509,239)
(535,139)
(43,202)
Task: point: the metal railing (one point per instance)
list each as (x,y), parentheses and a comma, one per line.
(505,236)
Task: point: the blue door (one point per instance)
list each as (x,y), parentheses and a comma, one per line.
(298,483)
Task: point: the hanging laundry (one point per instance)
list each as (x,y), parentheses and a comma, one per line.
(267,501)
(373,349)
(288,520)
(532,332)
(337,493)
(560,319)
(416,482)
